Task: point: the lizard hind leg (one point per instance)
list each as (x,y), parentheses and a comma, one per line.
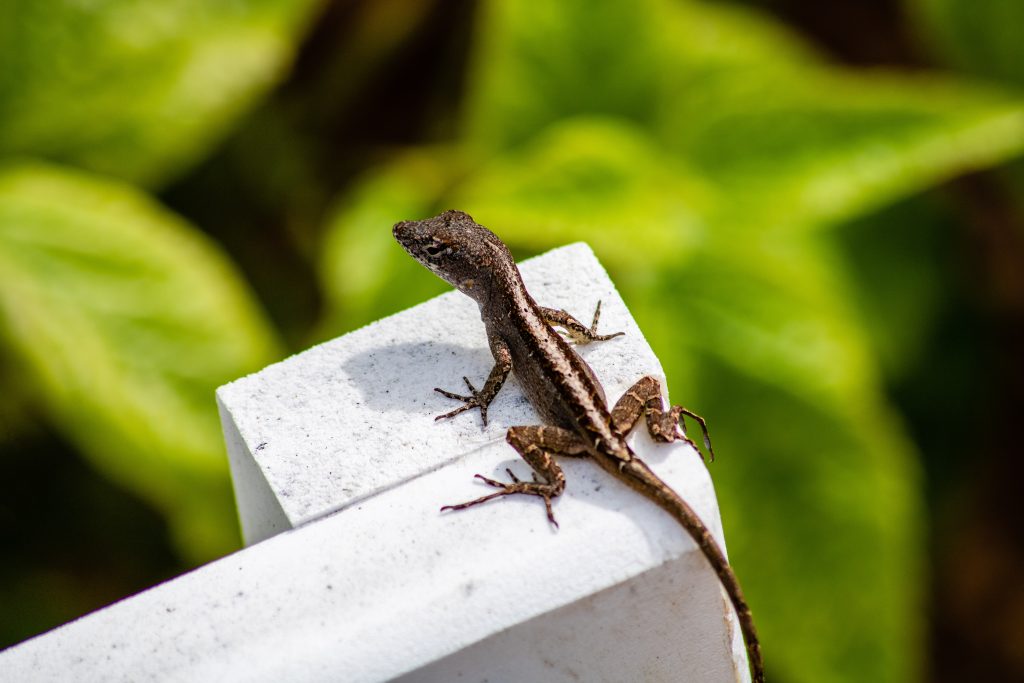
(536,444)
(644,399)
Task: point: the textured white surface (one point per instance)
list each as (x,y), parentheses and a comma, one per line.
(355,415)
(389,585)
(389,588)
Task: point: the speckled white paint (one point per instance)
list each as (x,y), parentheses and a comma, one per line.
(389,588)
(355,415)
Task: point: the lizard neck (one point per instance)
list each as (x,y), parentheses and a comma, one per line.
(503,290)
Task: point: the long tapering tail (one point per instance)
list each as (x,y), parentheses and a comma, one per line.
(638,476)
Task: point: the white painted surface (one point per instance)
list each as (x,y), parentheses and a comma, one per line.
(389,588)
(355,415)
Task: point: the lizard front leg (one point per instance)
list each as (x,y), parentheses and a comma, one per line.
(644,398)
(536,444)
(577,331)
(481,399)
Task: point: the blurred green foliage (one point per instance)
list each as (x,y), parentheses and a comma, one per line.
(715,162)
(126,317)
(123,316)
(136,89)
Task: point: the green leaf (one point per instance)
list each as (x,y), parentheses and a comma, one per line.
(791,143)
(601,180)
(981,38)
(823,520)
(812,149)
(541,64)
(136,90)
(780,318)
(527,73)
(895,258)
(128,319)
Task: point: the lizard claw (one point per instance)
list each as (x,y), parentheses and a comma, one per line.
(594,336)
(469,402)
(677,416)
(505,489)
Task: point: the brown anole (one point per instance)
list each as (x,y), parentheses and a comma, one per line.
(561,387)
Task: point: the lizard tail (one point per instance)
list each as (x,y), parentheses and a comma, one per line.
(639,476)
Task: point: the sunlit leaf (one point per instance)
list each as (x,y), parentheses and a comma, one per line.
(780,320)
(801,151)
(136,89)
(541,64)
(536,67)
(128,319)
(599,180)
(792,142)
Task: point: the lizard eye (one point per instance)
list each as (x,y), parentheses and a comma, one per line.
(434,249)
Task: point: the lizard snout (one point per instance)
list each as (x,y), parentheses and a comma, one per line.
(401,230)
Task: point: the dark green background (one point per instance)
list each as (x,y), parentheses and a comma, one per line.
(813,210)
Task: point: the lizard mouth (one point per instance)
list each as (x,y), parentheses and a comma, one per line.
(408,236)
(402,231)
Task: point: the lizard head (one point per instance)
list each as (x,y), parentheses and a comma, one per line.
(456,249)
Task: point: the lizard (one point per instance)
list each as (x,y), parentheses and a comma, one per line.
(562,388)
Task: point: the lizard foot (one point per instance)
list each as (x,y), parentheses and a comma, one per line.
(580,335)
(474,400)
(671,426)
(530,488)
(593,327)
(675,416)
